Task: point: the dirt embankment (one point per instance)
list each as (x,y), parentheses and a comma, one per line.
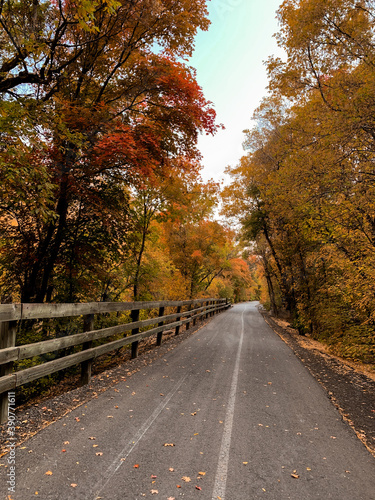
(350,386)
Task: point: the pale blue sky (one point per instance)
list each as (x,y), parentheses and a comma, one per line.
(229,62)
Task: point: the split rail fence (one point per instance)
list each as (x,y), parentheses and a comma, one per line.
(187,311)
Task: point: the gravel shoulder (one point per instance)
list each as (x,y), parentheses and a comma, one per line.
(350,387)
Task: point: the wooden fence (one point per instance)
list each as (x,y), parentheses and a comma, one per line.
(187,311)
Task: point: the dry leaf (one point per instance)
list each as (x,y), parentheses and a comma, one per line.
(193,413)
(186,479)
(66,442)
(171,498)
(202,473)
(171,469)
(136,466)
(245,463)
(77,419)
(168,444)
(99,453)
(154,492)
(49,473)
(178,485)
(63,451)
(92,438)
(73,485)
(153,477)
(198,488)
(109,416)
(296,476)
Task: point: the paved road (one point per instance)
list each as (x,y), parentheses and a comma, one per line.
(246,420)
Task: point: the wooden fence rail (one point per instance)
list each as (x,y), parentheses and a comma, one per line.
(10,314)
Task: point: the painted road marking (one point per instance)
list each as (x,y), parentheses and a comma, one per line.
(125,452)
(222,467)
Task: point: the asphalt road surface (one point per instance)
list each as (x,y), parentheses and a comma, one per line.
(229,414)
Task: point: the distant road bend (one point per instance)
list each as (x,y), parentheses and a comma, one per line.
(229,414)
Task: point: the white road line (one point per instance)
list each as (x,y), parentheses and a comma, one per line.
(125,452)
(222,467)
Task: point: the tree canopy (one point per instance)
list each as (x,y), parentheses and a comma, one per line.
(306,186)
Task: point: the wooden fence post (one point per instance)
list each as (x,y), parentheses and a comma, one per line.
(7,339)
(86,366)
(188,323)
(178,319)
(135,317)
(160,334)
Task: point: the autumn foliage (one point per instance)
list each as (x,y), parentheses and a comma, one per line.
(305,190)
(101,197)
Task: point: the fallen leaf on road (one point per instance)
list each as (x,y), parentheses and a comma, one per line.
(95,445)
(296,476)
(161,394)
(109,416)
(202,473)
(153,477)
(192,414)
(186,479)
(77,418)
(136,466)
(198,488)
(73,485)
(171,469)
(168,444)
(49,473)
(99,453)
(171,498)
(66,442)
(123,459)
(178,485)
(245,463)
(92,438)
(154,492)
(63,451)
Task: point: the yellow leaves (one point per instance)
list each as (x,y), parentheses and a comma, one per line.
(48,473)
(186,479)
(168,444)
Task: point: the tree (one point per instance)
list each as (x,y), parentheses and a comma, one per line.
(107,108)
